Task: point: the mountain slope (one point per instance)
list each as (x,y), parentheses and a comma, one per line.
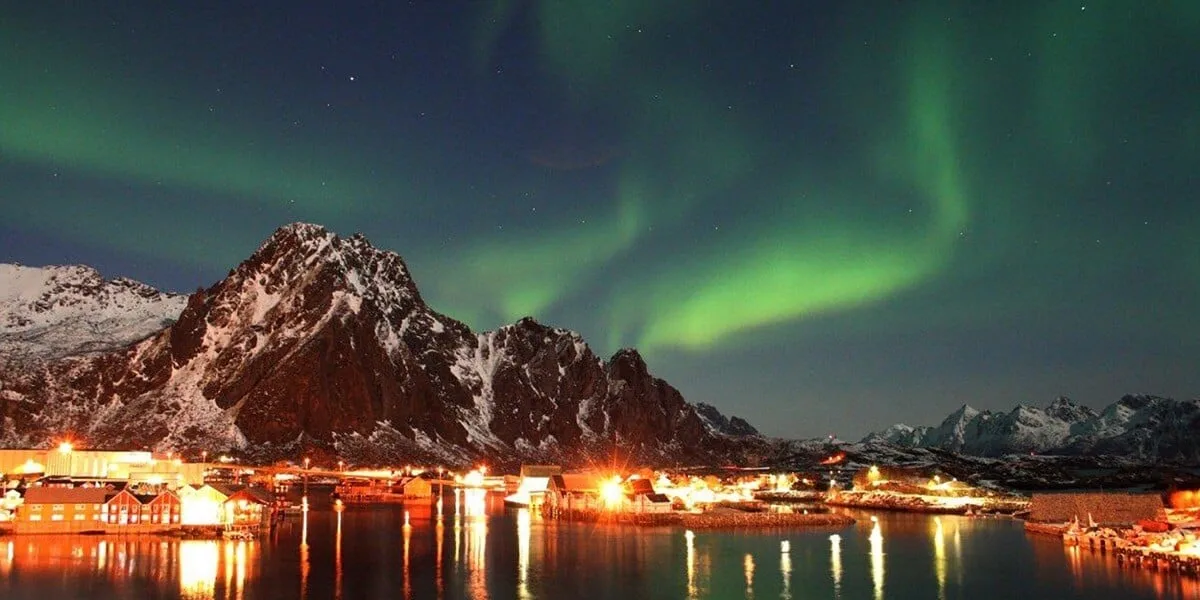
(52,312)
(319,340)
(1145,427)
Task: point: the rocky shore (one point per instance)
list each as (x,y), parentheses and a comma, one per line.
(927,504)
(716,519)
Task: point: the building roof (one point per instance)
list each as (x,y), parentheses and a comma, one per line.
(658,498)
(641,486)
(577,482)
(254,494)
(226,489)
(65,495)
(540,470)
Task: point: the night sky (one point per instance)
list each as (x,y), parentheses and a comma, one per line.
(825,217)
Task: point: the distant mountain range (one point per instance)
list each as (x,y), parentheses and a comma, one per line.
(1141,427)
(319,342)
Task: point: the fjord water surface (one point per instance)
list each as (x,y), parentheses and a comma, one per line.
(509,553)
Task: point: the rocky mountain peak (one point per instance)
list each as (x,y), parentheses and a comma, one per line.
(719,423)
(322,340)
(1064,409)
(1141,426)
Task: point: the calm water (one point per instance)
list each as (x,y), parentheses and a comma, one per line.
(368,553)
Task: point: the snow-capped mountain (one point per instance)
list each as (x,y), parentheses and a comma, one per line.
(53,312)
(325,341)
(1147,427)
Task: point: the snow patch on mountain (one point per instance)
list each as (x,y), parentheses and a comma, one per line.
(56,311)
(1136,425)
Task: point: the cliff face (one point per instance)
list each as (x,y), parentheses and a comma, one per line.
(319,340)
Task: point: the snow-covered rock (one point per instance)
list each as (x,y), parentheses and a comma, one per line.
(1147,427)
(326,341)
(58,311)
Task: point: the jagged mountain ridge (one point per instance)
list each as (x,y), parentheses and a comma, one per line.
(321,340)
(1141,426)
(57,311)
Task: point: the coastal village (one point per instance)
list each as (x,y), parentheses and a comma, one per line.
(65,490)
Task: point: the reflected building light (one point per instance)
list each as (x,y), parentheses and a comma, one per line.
(939,556)
(877,558)
(785,569)
(476,545)
(439,582)
(958,553)
(227,565)
(748,570)
(407,571)
(457,541)
(690,539)
(243,547)
(524,528)
(198,561)
(337,558)
(835,563)
(1075,561)
(304,563)
(6,565)
(474,502)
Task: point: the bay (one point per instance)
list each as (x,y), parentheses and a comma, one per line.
(508,553)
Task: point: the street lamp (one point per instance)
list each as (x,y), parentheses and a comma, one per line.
(341,465)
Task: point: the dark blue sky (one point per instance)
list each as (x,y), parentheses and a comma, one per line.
(825,217)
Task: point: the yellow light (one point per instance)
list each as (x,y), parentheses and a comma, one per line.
(611,493)
(473,479)
(873,474)
(66,447)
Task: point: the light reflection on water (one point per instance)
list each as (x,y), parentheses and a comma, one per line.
(877,572)
(197,567)
(366,553)
(785,568)
(748,567)
(835,563)
(939,557)
(524,524)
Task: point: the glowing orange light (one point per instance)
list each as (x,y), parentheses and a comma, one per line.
(611,493)
(66,447)
(834,459)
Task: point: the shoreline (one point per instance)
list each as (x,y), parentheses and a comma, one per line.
(714,520)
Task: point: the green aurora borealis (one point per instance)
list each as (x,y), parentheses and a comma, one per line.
(820,217)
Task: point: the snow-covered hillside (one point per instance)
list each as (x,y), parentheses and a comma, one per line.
(57,311)
(1142,426)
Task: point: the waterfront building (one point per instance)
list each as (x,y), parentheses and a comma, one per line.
(201,505)
(414,487)
(247,507)
(69,463)
(60,510)
(122,508)
(575,492)
(163,508)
